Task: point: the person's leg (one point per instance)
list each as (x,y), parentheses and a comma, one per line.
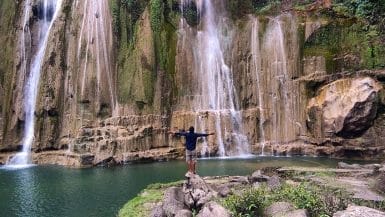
(188,159)
(193,167)
(194,162)
(190,169)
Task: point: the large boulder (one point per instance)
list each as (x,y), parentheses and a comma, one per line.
(359,211)
(158,211)
(257,176)
(274,182)
(173,201)
(184,213)
(278,208)
(346,108)
(284,209)
(295,213)
(196,191)
(213,209)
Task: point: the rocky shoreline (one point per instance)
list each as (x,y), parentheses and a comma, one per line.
(348,190)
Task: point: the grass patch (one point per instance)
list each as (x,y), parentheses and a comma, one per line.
(164,185)
(136,208)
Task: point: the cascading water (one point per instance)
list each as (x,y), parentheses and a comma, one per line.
(277,92)
(256,65)
(49,12)
(95,48)
(215,94)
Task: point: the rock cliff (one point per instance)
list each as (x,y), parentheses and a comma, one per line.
(116,77)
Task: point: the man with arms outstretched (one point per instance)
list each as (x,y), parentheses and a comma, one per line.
(191,141)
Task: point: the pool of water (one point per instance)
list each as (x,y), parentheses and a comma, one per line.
(55,191)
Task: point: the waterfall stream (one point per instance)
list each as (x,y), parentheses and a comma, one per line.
(275,64)
(50,10)
(256,65)
(94,50)
(215,94)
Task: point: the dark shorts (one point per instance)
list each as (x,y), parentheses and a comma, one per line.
(191,155)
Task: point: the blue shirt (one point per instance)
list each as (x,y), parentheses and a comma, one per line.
(191,139)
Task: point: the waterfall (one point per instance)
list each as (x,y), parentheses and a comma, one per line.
(94,49)
(50,10)
(275,63)
(215,95)
(256,65)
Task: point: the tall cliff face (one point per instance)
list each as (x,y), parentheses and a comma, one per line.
(117,76)
(8,12)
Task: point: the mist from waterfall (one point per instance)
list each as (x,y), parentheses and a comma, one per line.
(50,10)
(275,64)
(215,94)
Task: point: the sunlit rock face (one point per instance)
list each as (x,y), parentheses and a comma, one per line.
(261,83)
(345,108)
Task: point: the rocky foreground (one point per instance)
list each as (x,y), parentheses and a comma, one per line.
(346,191)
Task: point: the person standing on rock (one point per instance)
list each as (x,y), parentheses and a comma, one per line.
(191,141)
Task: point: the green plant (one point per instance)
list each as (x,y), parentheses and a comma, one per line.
(156,10)
(317,200)
(250,203)
(302,196)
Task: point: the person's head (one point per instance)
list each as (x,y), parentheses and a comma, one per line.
(191,129)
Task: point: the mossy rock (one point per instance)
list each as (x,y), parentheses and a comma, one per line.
(191,13)
(141,205)
(136,66)
(136,208)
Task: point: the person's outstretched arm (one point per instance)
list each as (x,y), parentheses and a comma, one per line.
(179,133)
(204,134)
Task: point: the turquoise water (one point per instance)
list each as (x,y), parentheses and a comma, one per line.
(55,191)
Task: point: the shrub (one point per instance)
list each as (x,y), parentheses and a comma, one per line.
(318,201)
(251,202)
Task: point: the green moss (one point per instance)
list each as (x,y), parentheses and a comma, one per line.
(135,207)
(7,15)
(136,65)
(125,14)
(156,11)
(164,185)
(140,61)
(152,194)
(347,44)
(191,14)
(239,9)
(8,11)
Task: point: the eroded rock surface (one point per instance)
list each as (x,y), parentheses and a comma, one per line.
(173,201)
(278,208)
(196,191)
(212,209)
(359,211)
(346,108)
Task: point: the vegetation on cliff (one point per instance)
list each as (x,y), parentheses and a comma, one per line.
(7,24)
(351,36)
(8,19)
(140,62)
